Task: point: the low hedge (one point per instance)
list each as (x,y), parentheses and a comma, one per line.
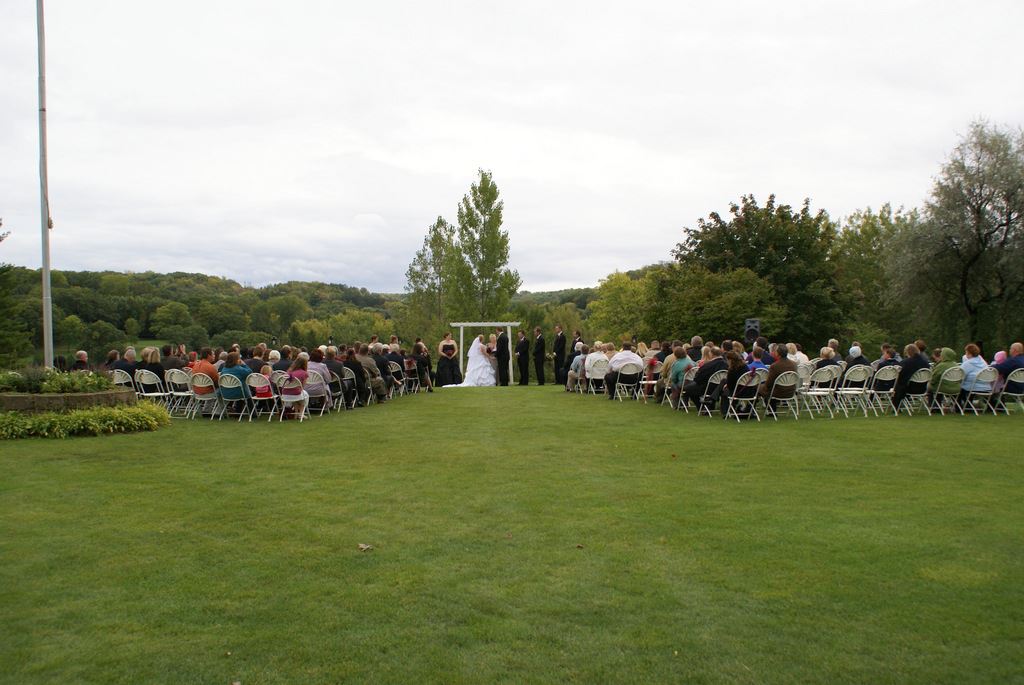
(145,416)
(39,380)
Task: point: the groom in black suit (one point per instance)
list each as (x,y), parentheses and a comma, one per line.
(538,355)
(523,358)
(503,357)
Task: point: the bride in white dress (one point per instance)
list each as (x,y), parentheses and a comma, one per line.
(480,371)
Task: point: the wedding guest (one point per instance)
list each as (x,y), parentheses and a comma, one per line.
(681,363)
(642,350)
(695,389)
(827,358)
(757,358)
(596,352)
(233,366)
(81,361)
(374,378)
(696,348)
(204,364)
(1014,360)
(576,369)
(297,370)
(705,355)
(625,356)
(151,362)
(947,360)
(736,370)
(255,361)
(316,363)
(795,354)
(422,359)
(285,362)
(856,358)
(973,364)
(913,361)
(363,386)
(169,360)
(112,358)
(781,366)
(127,362)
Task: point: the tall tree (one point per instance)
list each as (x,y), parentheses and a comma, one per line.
(485,249)
(969,250)
(789,249)
(462,272)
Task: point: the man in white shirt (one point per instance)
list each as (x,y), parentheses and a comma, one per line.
(625,356)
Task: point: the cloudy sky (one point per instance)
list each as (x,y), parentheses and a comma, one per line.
(317,140)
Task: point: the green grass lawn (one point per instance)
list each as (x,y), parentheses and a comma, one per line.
(519,535)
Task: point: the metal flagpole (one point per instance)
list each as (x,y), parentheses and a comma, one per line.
(44,198)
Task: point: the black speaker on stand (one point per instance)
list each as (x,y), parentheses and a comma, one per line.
(751,330)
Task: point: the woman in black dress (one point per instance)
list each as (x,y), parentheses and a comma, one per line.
(448,372)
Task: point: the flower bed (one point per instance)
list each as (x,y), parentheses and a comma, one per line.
(146,416)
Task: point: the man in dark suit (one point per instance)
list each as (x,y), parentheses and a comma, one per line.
(538,355)
(523,358)
(503,356)
(558,348)
(694,390)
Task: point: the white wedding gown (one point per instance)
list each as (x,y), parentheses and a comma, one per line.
(480,373)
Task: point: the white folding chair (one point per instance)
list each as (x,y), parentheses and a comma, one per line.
(953,376)
(149,386)
(399,376)
(204,392)
(123,378)
(1016,377)
(412,377)
(743,395)
(595,379)
(851,392)
(817,396)
(708,397)
(316,388)
(289,398)
(259,385)
(986,377)
(919,379)
(627,388)
(348,375)
(647,386)
(178,393)
(687,377)
(880,390)
(230,385)
(786,380)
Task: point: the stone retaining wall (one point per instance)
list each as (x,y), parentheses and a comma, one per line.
(59,401)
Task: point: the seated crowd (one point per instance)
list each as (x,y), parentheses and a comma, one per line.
(356,374)
(680,373)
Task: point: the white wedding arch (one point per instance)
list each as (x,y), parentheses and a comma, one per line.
(484,324)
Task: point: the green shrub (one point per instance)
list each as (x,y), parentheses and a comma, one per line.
(34,379)
(76,381)
(146,416)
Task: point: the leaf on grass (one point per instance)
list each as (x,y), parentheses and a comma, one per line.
(579,546)
(365,548)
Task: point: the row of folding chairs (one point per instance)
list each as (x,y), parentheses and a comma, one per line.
(834,389)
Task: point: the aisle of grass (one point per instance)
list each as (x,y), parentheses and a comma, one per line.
(520,535)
